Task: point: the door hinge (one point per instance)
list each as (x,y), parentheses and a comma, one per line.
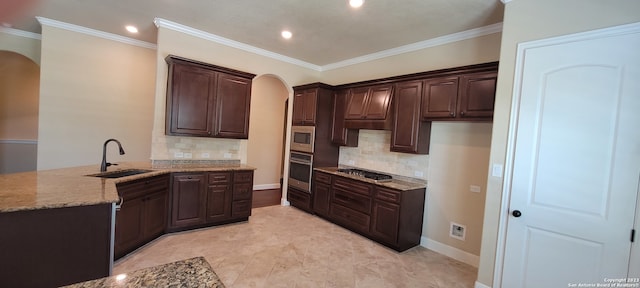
(633,235)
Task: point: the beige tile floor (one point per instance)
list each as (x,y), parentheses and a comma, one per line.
(284,247)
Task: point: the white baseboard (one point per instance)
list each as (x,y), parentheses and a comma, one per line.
(455,253)
(480,285)
(266,186)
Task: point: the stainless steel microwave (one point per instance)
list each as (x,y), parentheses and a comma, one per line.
(302,138)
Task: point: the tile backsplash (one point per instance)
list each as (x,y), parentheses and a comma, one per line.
(167,147)
(373,153)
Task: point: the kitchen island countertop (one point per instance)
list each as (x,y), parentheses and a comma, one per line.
(194,272)
(69,187)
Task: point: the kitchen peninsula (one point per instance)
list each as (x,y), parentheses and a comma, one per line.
(59,224)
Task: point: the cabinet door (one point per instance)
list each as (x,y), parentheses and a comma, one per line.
(439,98)
(188,200)
(477,95)
(321,198)
(378,101)
(299,199)
(233,98)
(191,100)
(407,125)
(129,223)
(339,134)
(155,215)
(356,103)
(298,108)
(310,100)
(386,219)
(218,202)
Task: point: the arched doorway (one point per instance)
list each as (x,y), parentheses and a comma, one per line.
(19,100)
(265,148)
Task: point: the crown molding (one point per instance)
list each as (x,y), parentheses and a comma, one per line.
(442,40)
(21,33)
(93,32)
(163,23)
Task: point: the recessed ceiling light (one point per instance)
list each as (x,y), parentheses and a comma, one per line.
(286,34)
(131,28)
(356,3)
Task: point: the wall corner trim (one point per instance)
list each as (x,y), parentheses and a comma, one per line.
(21,33)
(455,253)
(480,285)
(96,33)
(159,22)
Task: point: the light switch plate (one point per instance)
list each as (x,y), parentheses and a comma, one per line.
(205,155)
(496,170)
(188,155)
(474,188)
(227,155)
(178,155)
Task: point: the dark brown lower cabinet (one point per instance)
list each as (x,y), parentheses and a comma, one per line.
(55,247)
(210,198)
(142,215)
(389,216)
(299,199)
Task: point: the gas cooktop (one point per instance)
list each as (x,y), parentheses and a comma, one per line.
(378,177)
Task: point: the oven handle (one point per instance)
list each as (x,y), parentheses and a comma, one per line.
(300,161)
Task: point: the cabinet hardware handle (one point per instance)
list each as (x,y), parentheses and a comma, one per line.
(452,114)
(189,177)
(462,113)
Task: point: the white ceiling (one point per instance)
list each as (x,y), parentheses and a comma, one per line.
(324,31)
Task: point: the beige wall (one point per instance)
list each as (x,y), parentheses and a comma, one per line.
(93,89)
(29,47)
(188,46)
(266,129)
(527,20)
(19,93)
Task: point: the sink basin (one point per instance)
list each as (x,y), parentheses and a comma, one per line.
(120,173)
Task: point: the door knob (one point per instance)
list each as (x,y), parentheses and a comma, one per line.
(516,213)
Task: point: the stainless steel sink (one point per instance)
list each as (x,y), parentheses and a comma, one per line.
(120,173)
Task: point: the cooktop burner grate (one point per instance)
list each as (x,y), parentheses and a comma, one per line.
(367,174)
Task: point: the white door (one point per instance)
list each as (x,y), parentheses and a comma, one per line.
(576,160)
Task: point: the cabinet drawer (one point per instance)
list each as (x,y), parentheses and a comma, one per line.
(299,199)
(219,177)
(352,200)
(143,186)
(241,208)
(242,191)
(352,186)
(388,195)
(350,218)
(243,176)
(322,177)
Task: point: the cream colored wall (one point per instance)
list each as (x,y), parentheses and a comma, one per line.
(93,89)
(266,129)
(527,20)
(28,47)
(188,46)
(459,153)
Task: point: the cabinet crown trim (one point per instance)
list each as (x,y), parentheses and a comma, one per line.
(171,59)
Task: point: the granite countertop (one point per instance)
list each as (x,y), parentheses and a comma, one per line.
(68,187)
(399,182)
(194,272)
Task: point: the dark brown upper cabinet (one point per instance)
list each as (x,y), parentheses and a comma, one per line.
(409,133)
(465,97)
(340,135)
(205,100)
(369,107)
(304,107)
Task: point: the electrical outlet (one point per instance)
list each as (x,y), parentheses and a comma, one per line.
(351,162)
(227,155)
(474,188)
(418,174)
(178,155)
(457,231)
(188,155)
(205,155)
